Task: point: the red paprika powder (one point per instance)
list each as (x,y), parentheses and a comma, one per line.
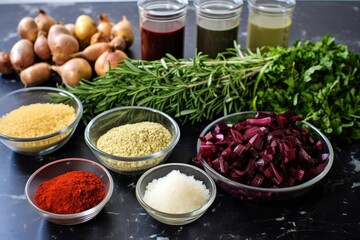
(71,192)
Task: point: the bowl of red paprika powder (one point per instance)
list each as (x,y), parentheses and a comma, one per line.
(69,191)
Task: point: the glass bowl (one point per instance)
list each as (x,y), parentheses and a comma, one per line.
(42,145)
(130,115)
(58,167)
(161,171)
(247,192)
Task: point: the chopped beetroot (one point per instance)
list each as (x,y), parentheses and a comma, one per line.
(269,150)
(238,150)
(265,121)
(257,141)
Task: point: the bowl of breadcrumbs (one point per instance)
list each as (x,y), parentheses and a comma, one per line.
(130,140)
(33,123)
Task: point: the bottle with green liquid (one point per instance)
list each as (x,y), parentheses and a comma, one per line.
(269,23)
(217,25)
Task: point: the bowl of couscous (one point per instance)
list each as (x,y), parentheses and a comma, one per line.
(33,122)
(130,140)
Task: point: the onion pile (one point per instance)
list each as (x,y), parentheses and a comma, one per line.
(72,50)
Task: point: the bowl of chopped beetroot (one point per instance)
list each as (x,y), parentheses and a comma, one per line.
(264,156)
(69,191)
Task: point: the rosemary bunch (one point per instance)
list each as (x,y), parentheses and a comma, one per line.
(191,90)
(316,80)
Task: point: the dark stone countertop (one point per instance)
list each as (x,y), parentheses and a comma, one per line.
(329,211)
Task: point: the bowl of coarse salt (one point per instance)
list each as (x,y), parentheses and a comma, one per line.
(175,193)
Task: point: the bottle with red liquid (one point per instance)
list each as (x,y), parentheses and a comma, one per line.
(162,28)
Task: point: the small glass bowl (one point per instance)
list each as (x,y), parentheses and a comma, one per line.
(163,170)
(129,115)
(58,167)
(243,191)
(42,145)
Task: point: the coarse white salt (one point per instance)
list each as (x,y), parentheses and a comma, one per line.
(176,193)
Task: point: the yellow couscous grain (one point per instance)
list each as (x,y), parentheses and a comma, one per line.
(36,120)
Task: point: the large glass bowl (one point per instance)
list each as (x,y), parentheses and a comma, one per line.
(161,171)
(42,145)
(129,115)
(58,167)
(243,191)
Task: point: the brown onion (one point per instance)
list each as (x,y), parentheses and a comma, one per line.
(5,64)
(71,28)
(36,74)
(44,21)
(99,37)
(124,29)
(112,57)
(41,46)
(28,29)
(61,47)
(92,52)
(22,54)
(73,71)
(56,30)
(118,43)
(85,27)
(104,25)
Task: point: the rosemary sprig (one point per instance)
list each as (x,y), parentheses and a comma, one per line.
(316,80)
(192,90)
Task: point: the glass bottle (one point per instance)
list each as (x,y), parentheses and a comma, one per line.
(217,25)
(269,23)
(162,28)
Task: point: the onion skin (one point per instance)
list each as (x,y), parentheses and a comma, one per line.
(5,64)
(22,54)
(112,57)
(71,28)
(27,29)
(105,25)
(56,30)
(41,46)
(85,27)
(124,29)
(44,21)
(92,52)
(99,37)
(36,74)
(73,71)
(118,43)
(62,46)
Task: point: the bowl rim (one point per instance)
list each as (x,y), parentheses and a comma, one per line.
(180,216)
(140,158)
(87,212)
(78,113)
(301,186)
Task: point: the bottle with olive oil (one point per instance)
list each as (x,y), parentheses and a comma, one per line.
(269,23)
